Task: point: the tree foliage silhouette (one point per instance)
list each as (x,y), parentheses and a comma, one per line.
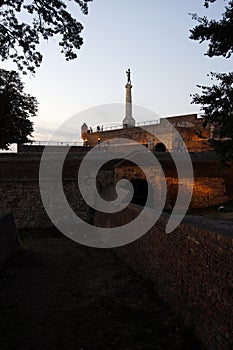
(16,107)
(217,100)
(24,24)
(45,19)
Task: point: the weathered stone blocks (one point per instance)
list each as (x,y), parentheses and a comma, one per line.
(191,269)
(9,238)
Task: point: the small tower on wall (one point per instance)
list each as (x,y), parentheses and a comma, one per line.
(84,129)
(128,121)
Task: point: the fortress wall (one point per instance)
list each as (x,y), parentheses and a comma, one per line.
(40,148)
(188,126)
(9,239)
(191,269)
(20,194)
(207,191)
(212,186)
(192,142)
(24,200)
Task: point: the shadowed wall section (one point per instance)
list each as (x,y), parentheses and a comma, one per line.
(191,269)
(9,239)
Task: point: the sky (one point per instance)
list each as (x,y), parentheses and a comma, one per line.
(150,37)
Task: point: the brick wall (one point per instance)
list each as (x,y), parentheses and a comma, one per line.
(188,126)
(20,194)
(21,148)
(212,186)
(207,191)
(9,239)
(191,269)
(24,200)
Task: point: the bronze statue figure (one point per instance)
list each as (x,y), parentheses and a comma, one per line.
(128,76)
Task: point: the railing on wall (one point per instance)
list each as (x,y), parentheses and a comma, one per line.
(107,127)
(110,127)
(55,143)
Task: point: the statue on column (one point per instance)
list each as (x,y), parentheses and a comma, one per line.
(128,76)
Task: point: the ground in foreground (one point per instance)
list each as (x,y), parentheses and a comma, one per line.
(59,295)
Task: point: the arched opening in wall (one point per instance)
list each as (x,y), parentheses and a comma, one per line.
(160,147)
(140,187)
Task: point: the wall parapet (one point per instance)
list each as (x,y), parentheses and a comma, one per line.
(191,269)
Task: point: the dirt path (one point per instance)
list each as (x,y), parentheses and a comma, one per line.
(59,295)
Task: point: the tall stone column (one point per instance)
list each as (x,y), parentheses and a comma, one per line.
(128,102)
(128,120)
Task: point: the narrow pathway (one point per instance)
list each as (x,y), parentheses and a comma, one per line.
(59,295)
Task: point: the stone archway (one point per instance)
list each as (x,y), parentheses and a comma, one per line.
(160,147)
(140,187)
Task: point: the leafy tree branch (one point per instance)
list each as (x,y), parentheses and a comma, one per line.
(217,100)
(19,40)
(218,33)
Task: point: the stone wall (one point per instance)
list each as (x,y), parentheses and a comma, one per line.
(24,200)
(23,148)
(9,239)
(20,193)
(188,126)
(212,186)
(191,269)
(207,191)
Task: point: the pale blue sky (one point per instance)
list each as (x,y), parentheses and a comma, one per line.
(151,37)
